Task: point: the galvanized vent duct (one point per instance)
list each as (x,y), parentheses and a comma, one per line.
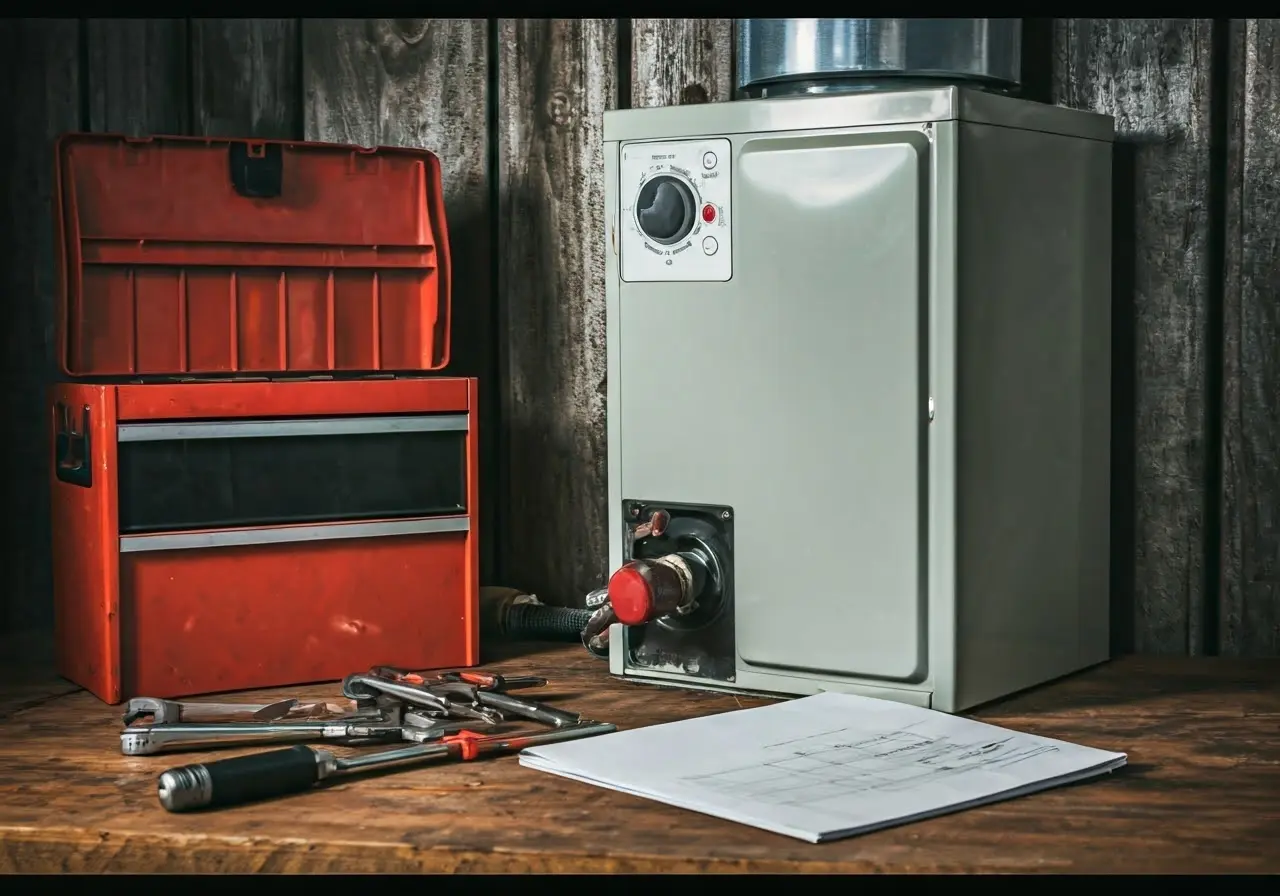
(789,56)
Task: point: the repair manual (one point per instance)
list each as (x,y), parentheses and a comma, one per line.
(824,767)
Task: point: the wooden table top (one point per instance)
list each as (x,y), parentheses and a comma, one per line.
(1201,792)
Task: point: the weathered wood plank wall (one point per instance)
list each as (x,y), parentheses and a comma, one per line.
(1250,510)
(554,79)
(40,88)
(137,76)
(1152,75)
(244,78)
(513,108)
(424,83)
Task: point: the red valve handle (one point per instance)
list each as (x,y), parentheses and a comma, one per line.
(644,590)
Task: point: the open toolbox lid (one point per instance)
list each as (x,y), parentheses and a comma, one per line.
(182,256)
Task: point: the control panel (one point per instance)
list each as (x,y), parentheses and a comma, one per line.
(675,217)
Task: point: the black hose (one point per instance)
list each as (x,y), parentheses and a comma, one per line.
(535,622)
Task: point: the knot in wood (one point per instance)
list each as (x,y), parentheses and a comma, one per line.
(693,94)
(411,31)
(560,108)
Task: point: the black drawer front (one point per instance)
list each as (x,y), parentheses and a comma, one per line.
(216,482)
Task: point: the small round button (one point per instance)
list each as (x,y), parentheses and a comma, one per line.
(710,246)
(708,213)
(709,160)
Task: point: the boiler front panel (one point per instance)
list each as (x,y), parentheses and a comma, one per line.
(796,394)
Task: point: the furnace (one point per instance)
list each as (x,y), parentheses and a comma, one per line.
(859,393)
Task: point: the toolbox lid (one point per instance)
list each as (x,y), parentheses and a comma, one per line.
(187,256)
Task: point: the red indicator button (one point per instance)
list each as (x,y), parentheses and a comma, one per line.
(708,213)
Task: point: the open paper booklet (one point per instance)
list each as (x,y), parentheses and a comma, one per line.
(824,767)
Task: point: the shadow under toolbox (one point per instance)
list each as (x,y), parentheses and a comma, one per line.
(221,536)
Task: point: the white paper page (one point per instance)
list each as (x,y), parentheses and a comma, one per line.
(825,766)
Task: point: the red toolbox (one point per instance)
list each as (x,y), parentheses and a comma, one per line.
(221,536)
(311,513)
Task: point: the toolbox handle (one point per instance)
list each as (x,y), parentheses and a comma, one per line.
(287,534)
(71,449)
(257,169)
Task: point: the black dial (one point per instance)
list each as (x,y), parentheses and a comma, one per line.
(665,209)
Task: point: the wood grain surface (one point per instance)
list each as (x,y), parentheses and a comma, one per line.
(425,83)
(676,62)
(555,79)
(244,78)
(138,76)
(1250,513)
(1153,76)
(1201,793)
(40,83)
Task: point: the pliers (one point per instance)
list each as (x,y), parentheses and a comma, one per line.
(489,681)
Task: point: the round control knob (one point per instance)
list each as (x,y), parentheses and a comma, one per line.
(665,209)
(642,590)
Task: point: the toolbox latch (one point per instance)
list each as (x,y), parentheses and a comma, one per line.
(257,169)
(71,453)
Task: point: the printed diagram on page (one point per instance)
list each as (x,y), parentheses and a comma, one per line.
(833,765)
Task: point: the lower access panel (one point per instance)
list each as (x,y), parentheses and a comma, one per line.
(801,402)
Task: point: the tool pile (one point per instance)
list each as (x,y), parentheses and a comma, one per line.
(436,715)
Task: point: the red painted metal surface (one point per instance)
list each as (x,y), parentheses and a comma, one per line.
(174,623)
(168,267)
(86,587)
(225,619)
(194,401)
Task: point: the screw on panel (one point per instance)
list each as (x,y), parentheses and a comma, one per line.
(725,515)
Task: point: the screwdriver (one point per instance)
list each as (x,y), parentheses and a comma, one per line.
(243,779)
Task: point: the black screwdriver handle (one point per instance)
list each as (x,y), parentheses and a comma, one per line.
(244,779)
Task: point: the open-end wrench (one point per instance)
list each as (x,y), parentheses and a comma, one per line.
(170,711)
(507,704)
(147,740)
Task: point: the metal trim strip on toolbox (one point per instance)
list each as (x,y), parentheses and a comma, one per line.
(247,429)
(176,541)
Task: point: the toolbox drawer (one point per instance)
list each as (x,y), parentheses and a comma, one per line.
(226,616)
(179,475)
(213,537)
